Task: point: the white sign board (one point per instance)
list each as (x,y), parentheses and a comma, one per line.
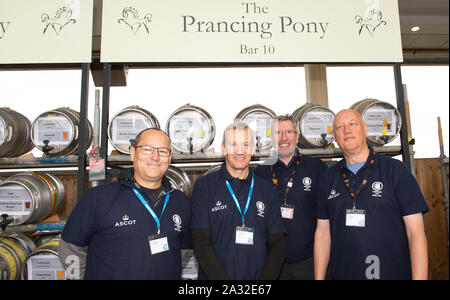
(15,200)
(45,31)
(45,267)
(380,121)
(314,124)
(257,31)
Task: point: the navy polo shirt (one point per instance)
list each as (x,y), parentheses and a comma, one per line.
(302,194)
(214,209)
(115,226)
(390,194)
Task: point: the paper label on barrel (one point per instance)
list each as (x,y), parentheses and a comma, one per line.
(125,128)
(189,265)
(315,123)
(260,123)
(45,267)
(380,121)
(58,130)
(189,128)
(15,201)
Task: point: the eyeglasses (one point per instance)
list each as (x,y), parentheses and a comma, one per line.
(286,132)
(148,150)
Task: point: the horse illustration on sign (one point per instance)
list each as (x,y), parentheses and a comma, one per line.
(373,21)
(62,18)
(131,18)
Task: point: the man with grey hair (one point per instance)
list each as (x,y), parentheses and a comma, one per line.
(295,177)
(237,231)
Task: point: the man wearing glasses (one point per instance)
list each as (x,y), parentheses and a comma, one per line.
(136,227)
(294,176)
(237,232)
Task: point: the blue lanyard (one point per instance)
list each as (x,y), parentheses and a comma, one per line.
(248,198)
(150,210)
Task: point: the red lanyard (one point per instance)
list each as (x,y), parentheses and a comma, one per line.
(363,183)
(290,182)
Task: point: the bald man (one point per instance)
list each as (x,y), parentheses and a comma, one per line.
(370,210)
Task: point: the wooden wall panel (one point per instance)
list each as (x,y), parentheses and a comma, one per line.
(428,172)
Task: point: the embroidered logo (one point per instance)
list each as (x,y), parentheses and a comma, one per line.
(125,222)
(333,195)
(307,184)
(377,189)
(177,222)
(260,208)
(218,207)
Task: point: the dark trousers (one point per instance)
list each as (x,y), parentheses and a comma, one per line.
(302,270)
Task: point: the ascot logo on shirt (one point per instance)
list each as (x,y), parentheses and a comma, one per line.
(377,188)
(260,207)
(177,222)
(125,221)
(333,195)
(218,207)
(307,184)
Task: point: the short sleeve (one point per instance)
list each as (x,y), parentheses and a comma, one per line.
(186,241)
(81,223)
(199,212)
(408,193)
(322,211)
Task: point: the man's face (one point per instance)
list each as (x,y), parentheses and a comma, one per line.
(286,138)
(150,167)
(350,131)
(238,149)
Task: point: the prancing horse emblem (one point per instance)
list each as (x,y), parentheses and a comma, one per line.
(373,21)
(130,17)
(62,18)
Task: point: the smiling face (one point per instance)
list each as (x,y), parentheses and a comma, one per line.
(350,132)
(286,139)
(238,148)
(149,169)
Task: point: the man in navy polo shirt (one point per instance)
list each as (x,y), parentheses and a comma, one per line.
(136,227)
(237,231)
(295,177)
(370,207)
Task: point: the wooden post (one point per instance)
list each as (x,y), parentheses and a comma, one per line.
(409,131)
(316,84)
(443,161)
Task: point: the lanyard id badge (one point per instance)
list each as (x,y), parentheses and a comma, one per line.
(290,182)
(355,217)
(249,197)
(287,211)
(150,210)
(158,243)
(244,235)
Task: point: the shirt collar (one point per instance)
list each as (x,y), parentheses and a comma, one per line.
(279,163)
(228,176)
(127,179)
(366,164)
